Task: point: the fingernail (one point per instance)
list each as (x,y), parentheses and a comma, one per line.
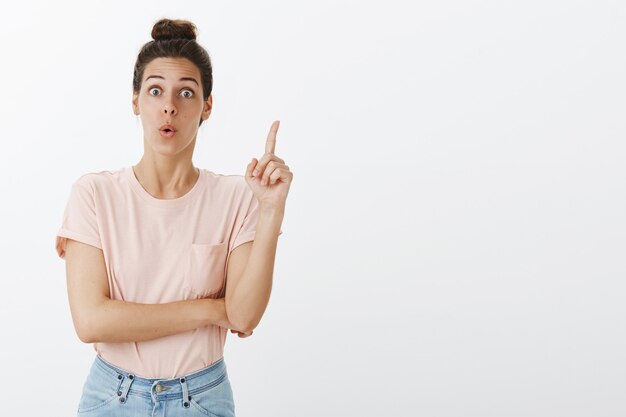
(255,173)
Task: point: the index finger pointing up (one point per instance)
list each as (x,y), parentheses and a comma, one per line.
(270,144)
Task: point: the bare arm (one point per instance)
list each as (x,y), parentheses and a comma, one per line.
(125,321)
(97,318)
(250,270)
(251,265)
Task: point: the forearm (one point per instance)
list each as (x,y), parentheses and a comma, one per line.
(251,295)
(123,321)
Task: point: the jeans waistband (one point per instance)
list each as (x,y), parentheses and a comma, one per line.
(163,389)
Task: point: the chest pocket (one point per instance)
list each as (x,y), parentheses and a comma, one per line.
(206,269)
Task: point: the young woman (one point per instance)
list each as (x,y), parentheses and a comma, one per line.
(163,257)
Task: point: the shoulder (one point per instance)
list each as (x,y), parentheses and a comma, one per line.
(98,180)
(234,185)
(233,180)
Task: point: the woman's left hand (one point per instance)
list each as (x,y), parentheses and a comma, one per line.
(269,177)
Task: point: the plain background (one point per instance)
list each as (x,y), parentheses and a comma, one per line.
(454,236)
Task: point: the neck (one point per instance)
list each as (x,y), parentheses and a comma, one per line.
(166,180)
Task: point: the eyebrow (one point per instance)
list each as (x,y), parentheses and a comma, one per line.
(181,79)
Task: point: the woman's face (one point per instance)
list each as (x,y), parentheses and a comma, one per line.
(171,93)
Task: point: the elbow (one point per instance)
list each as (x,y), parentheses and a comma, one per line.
(85,338)
(245,326)
(88,319)
(85,329)
(84,334)
(240,323)
(248,325)
(248,328)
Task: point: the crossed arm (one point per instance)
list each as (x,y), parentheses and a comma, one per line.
(98,318)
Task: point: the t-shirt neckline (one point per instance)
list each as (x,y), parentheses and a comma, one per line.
(164,203)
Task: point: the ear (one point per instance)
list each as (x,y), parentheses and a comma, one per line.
(208,105)
(135,103)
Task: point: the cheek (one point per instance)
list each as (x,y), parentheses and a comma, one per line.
(143,104)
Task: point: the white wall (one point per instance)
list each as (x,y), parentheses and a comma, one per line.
(454,237)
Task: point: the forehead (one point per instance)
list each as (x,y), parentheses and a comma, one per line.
(171,69)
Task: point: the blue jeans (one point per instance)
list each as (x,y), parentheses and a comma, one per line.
(111,391)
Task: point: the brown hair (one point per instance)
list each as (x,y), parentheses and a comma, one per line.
(175,39)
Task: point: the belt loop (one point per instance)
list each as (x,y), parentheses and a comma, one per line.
(186,396)
(131,377)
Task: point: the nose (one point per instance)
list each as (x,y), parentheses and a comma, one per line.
(169,107)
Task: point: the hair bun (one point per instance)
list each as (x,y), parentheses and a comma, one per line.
(173,29)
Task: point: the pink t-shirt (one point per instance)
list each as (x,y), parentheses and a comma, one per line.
(157,251)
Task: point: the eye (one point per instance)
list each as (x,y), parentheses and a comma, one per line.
(189,95)
(152,89)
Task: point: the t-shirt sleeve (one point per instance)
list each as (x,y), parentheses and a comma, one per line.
(79,219)
(248,228)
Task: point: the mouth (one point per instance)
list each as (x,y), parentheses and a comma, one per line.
(168,127)
(167,130)
(167,133)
